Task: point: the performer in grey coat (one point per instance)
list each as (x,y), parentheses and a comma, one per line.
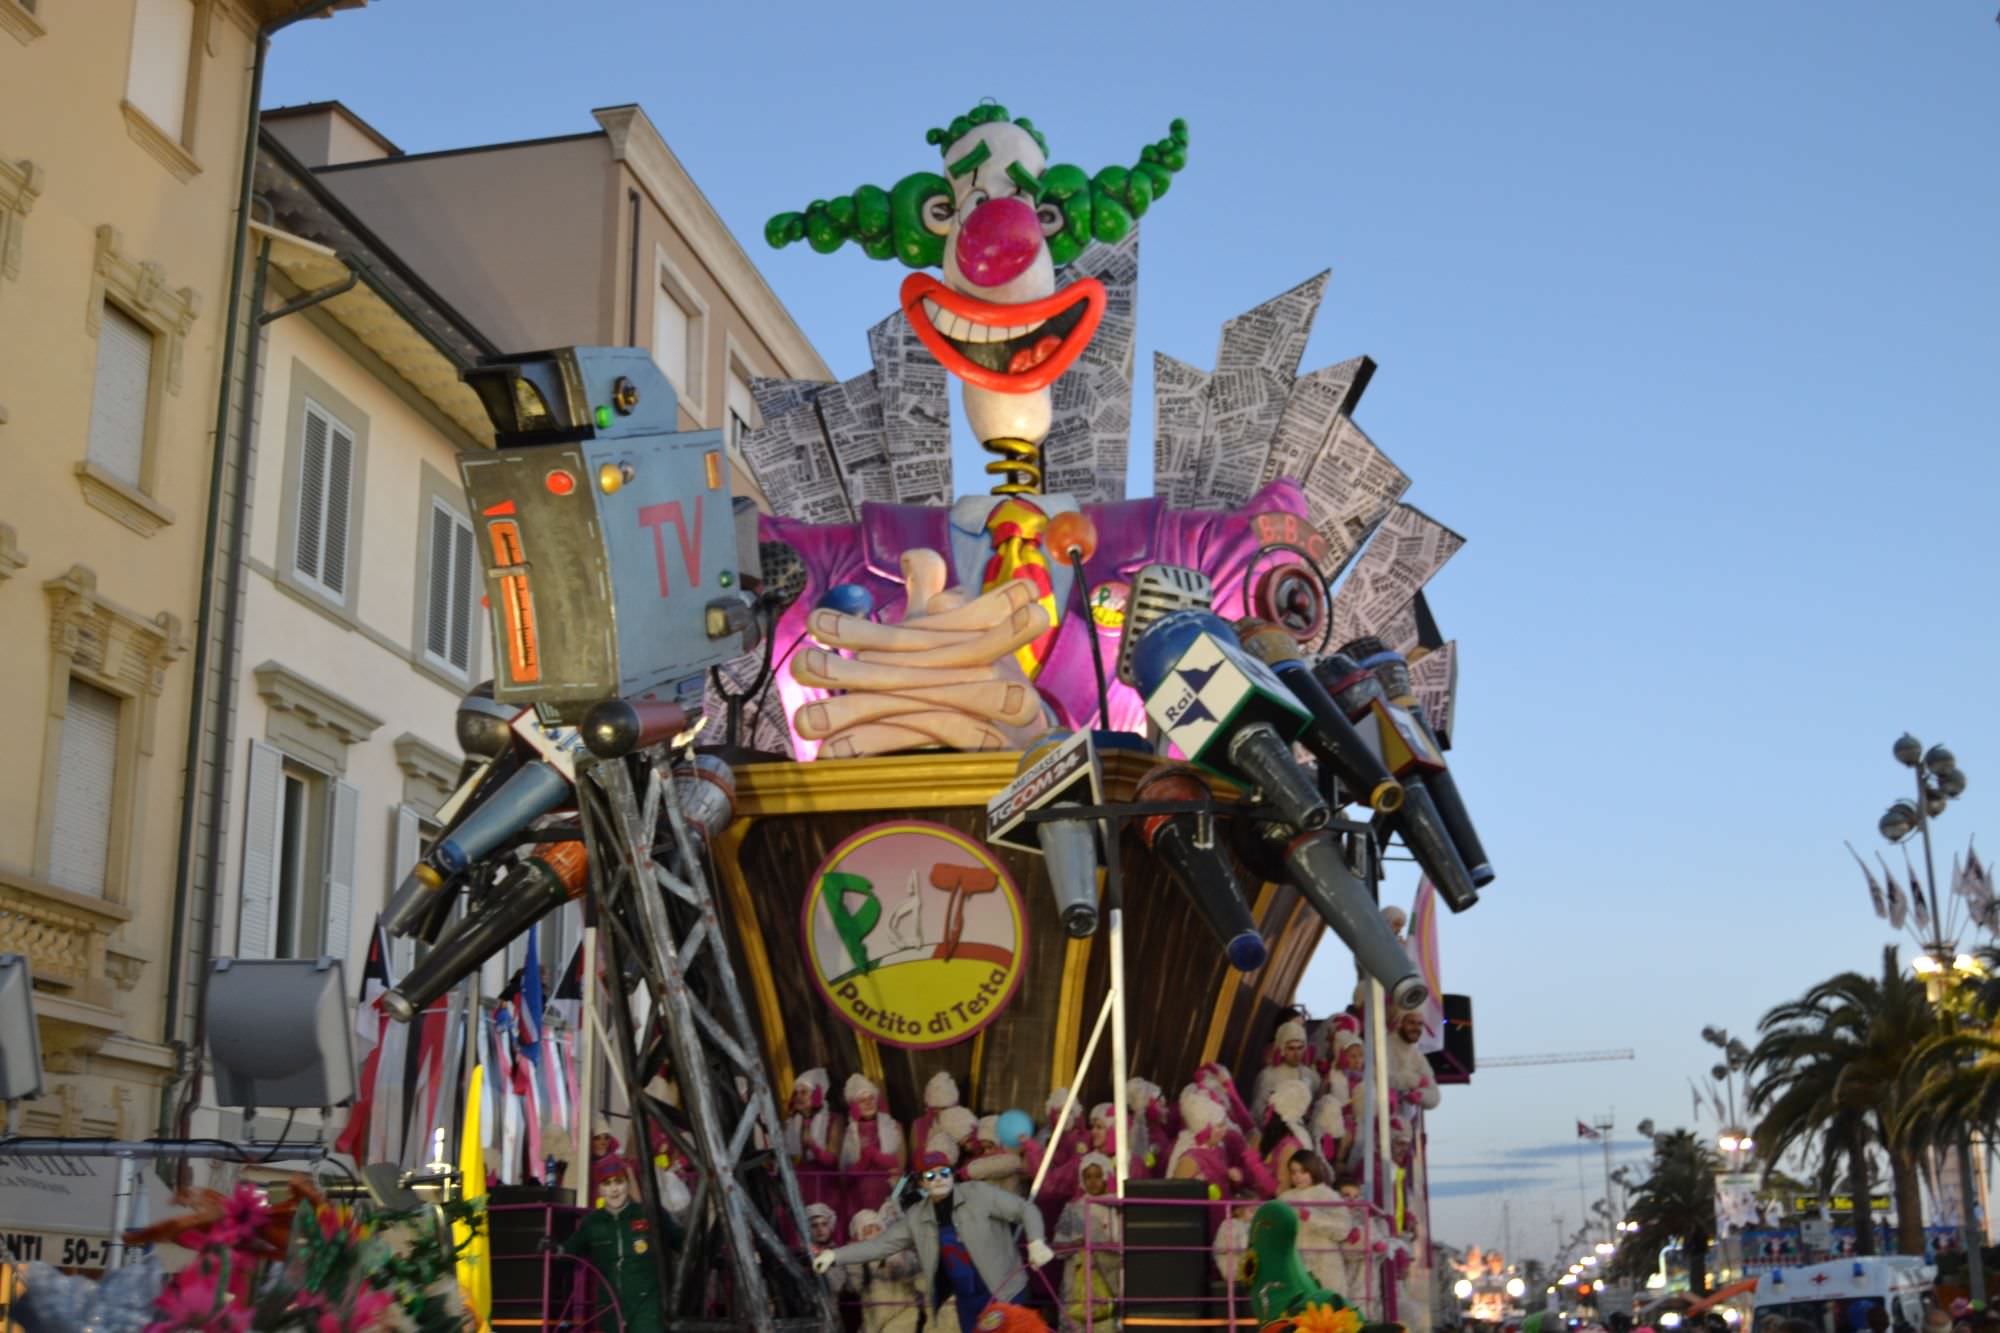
(963,1234)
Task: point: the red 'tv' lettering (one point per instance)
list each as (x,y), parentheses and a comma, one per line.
(656,517)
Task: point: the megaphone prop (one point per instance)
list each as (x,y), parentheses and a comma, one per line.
(543,881)
(1323,878)
(1202,870)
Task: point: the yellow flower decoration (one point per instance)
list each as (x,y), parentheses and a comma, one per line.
(1325,1319)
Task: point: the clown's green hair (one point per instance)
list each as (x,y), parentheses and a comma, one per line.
(889,224)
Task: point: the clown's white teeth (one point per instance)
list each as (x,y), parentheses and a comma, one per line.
(956,326)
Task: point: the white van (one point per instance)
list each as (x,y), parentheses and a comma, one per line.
(1835,1297)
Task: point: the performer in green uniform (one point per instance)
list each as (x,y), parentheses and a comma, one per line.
(618,1239)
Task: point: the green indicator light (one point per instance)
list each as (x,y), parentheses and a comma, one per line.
(728,579)
(604,418)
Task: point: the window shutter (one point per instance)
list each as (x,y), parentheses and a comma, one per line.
(162,38)
(461,595)
(339,494)
(437,627)
(341,835)
(670,338)
(263,818)
(312,493)
(80,843)
(118,398)
(405,846)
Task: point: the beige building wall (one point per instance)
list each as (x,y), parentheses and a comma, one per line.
(115,230)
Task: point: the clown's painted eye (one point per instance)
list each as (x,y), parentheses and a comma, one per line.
(1052,218)
(937,212)
(973,199)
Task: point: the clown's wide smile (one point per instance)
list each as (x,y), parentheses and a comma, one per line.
(1016,347)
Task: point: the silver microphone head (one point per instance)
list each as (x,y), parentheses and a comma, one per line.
(1158,590)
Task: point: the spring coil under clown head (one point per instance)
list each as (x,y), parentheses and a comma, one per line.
(1020,463)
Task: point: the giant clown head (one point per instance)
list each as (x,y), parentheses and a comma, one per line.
(998,223)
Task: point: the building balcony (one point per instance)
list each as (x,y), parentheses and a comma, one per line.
(81,971)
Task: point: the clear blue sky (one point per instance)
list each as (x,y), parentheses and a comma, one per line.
(1686,317)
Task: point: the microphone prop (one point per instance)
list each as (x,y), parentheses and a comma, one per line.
(1074,537)
(1157,591)
(1320,873)
(1419,824)
(538,788)
(1059,768)
(1330,736)
(1202,870)
(1392,670)
(1226,711)
(617,727)
(543,881)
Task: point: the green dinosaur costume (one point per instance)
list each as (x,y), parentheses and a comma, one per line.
(1280,1286)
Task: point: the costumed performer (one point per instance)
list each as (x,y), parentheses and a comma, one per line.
(872,1153)
(963,1236)
(618,1238)
(1091,1291)
(811,1137)
(1289,1064)
(888,1288)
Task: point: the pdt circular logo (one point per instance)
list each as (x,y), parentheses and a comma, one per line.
(915,934)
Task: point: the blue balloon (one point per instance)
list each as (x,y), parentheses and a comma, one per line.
(1016,1127)
(850,599)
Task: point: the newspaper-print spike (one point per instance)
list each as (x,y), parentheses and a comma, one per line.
(1898,910)
(1180,405)
(1255,367)
(1406,550)
(775,397)
(1435,675)
(916,412)
(1350,488)
(1874,885)
(1089,440)
(1313,410)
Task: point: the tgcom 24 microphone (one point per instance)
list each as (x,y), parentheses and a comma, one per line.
(1225,710)
(1058,768)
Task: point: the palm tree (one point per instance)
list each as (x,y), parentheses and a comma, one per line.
(1674,1205)
(1829,1068)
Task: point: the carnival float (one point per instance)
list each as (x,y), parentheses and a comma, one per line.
(952,857)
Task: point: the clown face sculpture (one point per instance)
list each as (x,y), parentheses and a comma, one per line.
(998,223)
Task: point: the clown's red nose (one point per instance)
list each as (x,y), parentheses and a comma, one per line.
(998,241)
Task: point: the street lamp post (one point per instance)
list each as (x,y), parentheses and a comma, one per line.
(1940,781)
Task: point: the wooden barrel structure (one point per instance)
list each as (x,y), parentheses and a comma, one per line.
(1186,1005)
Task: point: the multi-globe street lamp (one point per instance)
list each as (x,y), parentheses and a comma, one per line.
(1940,964)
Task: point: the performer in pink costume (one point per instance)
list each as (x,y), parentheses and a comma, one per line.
(810,1138)
(991,1162)
(1153,1130)
(1210,1149)
(1285,1131)
(872,1151)
(939,1093)
(1105,1139)
(1214,1078)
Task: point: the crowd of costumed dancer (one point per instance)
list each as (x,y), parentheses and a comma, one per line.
(1296,1138)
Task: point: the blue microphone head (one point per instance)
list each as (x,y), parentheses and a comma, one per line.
(850,599)
(1246,952)
(1153,657)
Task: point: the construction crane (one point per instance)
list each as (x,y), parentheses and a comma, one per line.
(1562,1058)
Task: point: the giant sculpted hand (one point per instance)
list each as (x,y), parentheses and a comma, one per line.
(946,676)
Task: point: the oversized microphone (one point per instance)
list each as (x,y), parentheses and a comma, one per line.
(544,880)
(1330,736)
(1202,870)
(1316,868)
(1226,711)
(1422,829)
(1059,768)
(617,727)
(495,815)
(1392,669)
